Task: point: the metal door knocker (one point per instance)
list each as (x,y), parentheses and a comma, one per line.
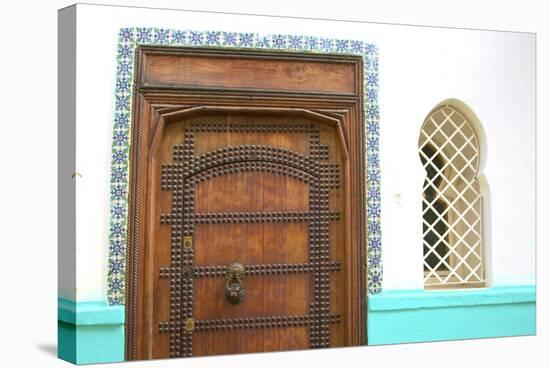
(235,291)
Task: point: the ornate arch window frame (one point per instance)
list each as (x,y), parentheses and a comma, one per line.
(453,136)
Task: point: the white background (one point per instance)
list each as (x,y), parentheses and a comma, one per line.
(28,207)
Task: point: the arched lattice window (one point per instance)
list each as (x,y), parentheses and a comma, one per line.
(452,201)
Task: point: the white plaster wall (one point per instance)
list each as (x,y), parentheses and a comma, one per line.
(492,72)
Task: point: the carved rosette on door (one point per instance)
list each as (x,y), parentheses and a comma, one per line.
(182,177)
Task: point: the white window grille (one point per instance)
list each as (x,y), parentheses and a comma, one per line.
(452,201)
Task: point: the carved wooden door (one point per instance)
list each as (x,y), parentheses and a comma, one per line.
(246,228)
(262,192)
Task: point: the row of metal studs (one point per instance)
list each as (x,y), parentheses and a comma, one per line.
(254,269)
(181,290)
(330,174)
(252,322)
(329,178)
(218,127)
(188,259)
(324,279)
(171,175)
(255,167)
(246,152)
(246,217)
(314,257)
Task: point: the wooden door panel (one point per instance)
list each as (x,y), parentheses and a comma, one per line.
(273,186)
(209,71)
(257,244)
(257,204)
(251,192)
(248,341)
(290,295)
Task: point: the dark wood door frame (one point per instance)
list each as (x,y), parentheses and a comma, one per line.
(157,104)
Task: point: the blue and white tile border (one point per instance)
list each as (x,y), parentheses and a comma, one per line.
(130,38)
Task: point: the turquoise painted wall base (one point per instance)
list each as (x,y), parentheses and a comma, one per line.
(418,316)
(93,332)
(90,332)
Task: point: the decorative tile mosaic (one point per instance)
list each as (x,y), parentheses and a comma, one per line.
(130,38)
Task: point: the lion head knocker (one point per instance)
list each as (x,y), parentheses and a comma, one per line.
(235,291)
